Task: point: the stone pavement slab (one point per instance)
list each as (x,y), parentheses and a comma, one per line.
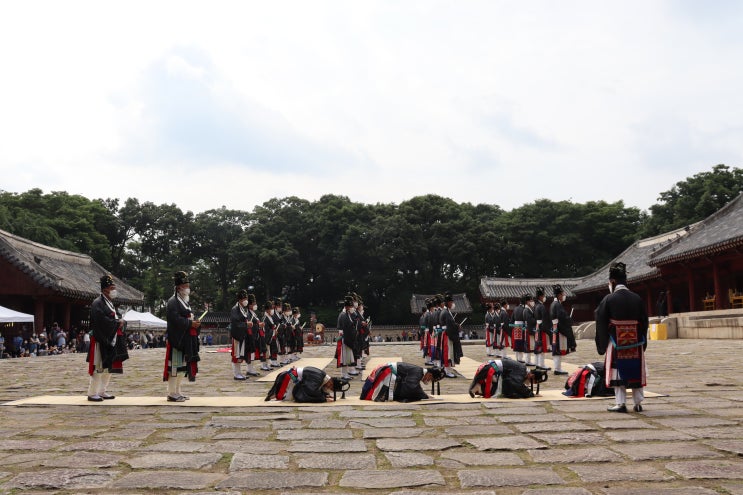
(512,442)
(337,461)
(250,481)
(391,478)
(328,446)
(297,449)
(566,455)
(242,461)
(61,479)
(571,438)
(408,459)
(724,469)
(166,480)
(398,444)
(508,477)
(483,458)
(174,461)
(665,450)
(619,472)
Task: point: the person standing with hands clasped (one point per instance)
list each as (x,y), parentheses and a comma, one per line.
(182,350)
(107,349)
(621,334)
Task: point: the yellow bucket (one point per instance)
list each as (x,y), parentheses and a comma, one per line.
(658,331)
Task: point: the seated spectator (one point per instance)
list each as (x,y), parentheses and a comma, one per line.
(17,346)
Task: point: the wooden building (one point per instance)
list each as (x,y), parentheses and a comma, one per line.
(52,284)
(695,268)
(418,303)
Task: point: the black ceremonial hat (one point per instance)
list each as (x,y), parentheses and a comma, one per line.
(448,297)
(251,298)
(348,300)
(180,278)
(107,281)
(557,289)
(242,294)
(618,270)
(527,297)
(268,305)
(540,291)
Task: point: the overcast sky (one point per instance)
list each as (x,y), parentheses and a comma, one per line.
(205,104)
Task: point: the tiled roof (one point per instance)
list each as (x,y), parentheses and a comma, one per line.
(494,288)
(637,257)
(418,302)
(720,231)
(72,275)
(216,317)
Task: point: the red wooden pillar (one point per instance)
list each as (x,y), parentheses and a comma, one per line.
(718,287)
(692,291)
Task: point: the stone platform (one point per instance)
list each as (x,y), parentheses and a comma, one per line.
(689,441)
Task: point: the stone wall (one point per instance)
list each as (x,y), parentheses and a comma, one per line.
(722,324)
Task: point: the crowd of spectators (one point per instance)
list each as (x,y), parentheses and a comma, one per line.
(60,341)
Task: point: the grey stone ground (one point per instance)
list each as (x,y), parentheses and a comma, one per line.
(689,442)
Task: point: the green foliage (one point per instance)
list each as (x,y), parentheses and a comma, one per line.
(311,253)
(693,199)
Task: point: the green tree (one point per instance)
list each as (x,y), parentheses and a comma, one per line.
(693,199)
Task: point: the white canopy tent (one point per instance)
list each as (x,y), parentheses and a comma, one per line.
(144,320)
(10,316)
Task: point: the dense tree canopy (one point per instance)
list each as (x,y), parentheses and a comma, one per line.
(313,252)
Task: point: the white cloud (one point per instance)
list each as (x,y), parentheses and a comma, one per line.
(480,101)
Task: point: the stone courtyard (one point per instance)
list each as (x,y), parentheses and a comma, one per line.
(689,441)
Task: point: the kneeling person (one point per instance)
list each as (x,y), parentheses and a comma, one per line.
(505,378)
(307,384)
(399,382)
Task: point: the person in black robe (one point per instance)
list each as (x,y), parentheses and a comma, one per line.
(241,347)
(491,324)
(451,346)
(307,384)
(542,330)
(108,348)
(182,349)
(400,382)
(621,334)
(563,339)
(505,328)
(505,378)
(344,353)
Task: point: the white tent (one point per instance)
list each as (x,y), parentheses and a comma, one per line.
(144,320)
(10,316)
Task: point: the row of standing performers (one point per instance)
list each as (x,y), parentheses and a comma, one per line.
(531,329)
(354,335)
(273,338)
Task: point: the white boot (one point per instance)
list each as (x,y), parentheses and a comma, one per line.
(105,378)
(344,373)
(173,390)
(236,372)
(251,371)
(557,360)
(520,357)
(178,380)
(264,366)
(504,352)
(449,372)
(94,387)
(638,395)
